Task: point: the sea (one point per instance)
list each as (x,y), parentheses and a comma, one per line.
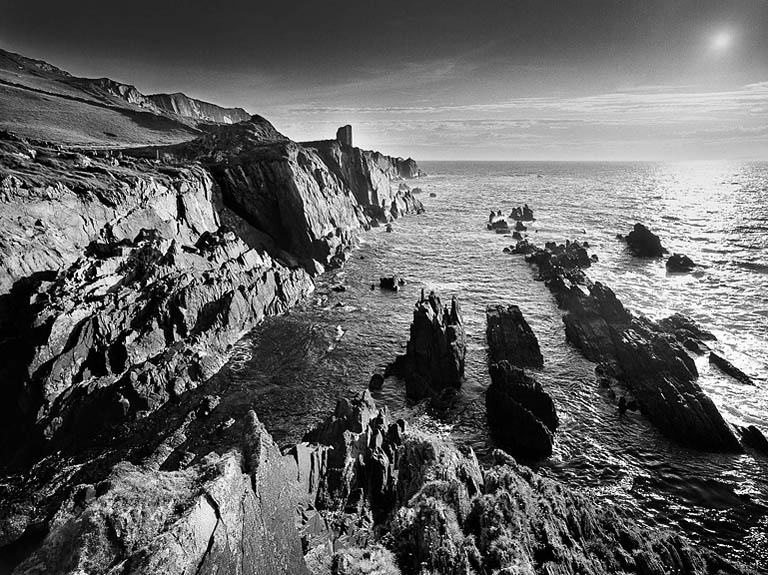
(295,366)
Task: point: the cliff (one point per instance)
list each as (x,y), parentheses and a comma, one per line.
(125,280)
(183,105)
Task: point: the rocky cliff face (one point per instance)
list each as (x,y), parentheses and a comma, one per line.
(183,105)
(372,177)
(126,279)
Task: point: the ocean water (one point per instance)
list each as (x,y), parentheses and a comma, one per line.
(294,367)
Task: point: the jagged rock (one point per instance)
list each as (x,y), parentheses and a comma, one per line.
(520,226)
(680,263)
(521,415)
(521,522)
(229,513)
(363,455)
(644,243)
(730,369)
(94,366)
(510,337)
(434,358)
(643,354)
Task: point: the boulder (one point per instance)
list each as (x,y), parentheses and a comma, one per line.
(679,263)
(644,243)
(510,337)
(521,415)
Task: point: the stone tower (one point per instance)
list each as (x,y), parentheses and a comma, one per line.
(344,135)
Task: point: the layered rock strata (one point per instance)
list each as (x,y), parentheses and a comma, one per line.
(648,357)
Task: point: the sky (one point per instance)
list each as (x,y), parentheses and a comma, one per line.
(482,80)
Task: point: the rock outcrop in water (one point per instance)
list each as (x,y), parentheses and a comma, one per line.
(728,368)
(521,414)
(434,358)
(644,243)
(510,338)
(648,357)
(680,263)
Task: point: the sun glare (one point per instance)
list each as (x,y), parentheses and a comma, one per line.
(722,40)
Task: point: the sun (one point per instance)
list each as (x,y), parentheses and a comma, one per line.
(722,40)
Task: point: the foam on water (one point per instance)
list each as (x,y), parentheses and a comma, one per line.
(715,213)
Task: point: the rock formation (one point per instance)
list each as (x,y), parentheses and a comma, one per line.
(521,414)
(510,338)
(728,368)
(646,356)
(644,243)
(680,263)
(434,358)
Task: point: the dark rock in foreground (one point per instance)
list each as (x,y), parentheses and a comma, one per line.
(644,243)
(521,414)
(329,504)
(680,263)
(510,337)
(434,358)
(730,369)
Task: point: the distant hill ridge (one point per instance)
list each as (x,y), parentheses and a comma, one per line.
(18,73)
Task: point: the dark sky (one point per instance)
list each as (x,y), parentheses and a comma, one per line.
(516,79)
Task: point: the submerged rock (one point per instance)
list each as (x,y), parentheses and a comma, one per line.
(644,243)
(434,358)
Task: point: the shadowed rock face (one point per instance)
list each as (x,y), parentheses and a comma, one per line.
(521,414)
(434,358)
(647,356)
(510,338)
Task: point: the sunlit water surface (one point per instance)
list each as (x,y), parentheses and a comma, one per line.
(295,366)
